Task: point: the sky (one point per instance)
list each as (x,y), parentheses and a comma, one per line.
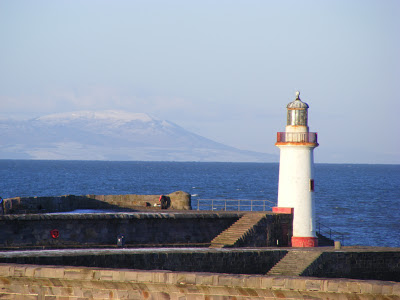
(223,69)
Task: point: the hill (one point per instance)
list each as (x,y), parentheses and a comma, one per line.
(112,135)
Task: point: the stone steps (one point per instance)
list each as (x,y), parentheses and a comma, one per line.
(236,231)
(294,263)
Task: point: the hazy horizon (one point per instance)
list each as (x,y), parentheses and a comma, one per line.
(224,70)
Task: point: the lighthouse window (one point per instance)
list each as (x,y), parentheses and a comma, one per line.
(297,117)
(312,185)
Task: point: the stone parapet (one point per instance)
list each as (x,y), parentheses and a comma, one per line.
(235,261)
(322,262)
(51,282)
(147,228)
(381,264)
(139,229)
(130,202)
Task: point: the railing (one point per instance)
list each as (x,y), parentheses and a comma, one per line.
(297,137)
(328,232)
(234,204)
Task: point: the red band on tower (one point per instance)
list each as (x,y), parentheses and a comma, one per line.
(283,210)
(304,242)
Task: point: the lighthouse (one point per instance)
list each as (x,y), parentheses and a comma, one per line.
(296,173)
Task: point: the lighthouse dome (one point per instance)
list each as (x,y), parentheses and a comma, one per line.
(298,103)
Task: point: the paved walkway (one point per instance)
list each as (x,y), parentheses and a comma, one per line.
(74,252)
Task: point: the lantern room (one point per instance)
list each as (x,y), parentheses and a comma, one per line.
(297,112)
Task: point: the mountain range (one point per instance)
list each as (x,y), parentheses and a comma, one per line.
(112,135)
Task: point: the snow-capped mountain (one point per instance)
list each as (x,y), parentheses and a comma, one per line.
(112,135)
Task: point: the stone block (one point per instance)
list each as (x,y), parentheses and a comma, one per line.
(25,297)
(253,282)
(396,289)
(266,282)
(121,294)
(172,278)
(204,279)
(63,291)
(242,291)
(171,288)
(159,277)
(295,284)
(187,278)
(342,286)
(160,296)
(331,286)
(314,285)
(237,280)
(131,276)
(79,274)
(103,294)
(376,288)
(34,288)
(107,284)
(144,276)
(353,287)
(47,272)
(252,292)
(224,280)
(266,293)
(134,294)
(365,287)
(5,270)
(387,289)
(88,293)
(366,297)
(17,271)
(231,291)
(290,295)
(197,297)
(278,283)
(106,275)
(96,274)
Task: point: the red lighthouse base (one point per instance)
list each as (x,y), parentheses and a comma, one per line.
(304,242)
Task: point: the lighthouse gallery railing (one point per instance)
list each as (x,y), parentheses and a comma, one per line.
(297,137)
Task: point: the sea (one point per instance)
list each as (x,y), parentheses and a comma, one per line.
(358,204)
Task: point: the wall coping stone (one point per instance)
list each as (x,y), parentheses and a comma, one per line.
(124,251)
(125,215)
(195,280)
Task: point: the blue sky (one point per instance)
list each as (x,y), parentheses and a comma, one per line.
(222,69)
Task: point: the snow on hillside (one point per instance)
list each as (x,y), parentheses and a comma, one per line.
(107,115)
(112,135)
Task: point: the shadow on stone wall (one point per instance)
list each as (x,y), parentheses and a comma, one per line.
(235,261)
(142,229)
(377,265)
(66,203)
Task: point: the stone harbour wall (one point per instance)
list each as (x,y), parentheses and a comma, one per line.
(52,282)
(138,229)
(382,264)
(235,261)
(130,202)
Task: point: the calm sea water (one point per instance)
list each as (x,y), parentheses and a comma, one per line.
(360,201)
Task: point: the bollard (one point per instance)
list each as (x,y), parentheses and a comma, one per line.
(338,245)
(120,240)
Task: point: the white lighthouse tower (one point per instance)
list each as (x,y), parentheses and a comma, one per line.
(296,173)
